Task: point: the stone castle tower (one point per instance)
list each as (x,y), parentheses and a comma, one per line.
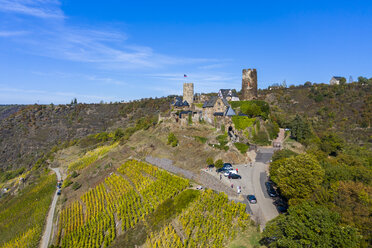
(188,92)
(249,84)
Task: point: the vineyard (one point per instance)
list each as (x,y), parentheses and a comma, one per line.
(117,202)
(211,221)
(22,217)
(90,157)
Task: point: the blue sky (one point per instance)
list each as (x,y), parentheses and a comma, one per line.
(52,51)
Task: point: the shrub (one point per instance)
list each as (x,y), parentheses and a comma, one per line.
(202,140)
(74,174)
(172,140)
(261,138)
(285,153)
(253,108)
(209,161)
(242,147)
(242,122)
(218,163)
(76,186)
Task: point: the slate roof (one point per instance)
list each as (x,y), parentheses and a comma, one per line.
(228,92)
(179,103)
(218,113)
(210,103)
(337,77)
(230,112)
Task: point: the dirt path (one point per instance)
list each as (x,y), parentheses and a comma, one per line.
(48,229)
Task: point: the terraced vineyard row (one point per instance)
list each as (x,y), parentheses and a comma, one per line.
(91,221)
(211,221)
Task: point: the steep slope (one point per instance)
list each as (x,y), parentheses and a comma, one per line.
(344,109)
(26,135)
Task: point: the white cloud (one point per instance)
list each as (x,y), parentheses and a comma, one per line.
(4,33)
(36,8)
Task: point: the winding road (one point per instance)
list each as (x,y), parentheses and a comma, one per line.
(48,229)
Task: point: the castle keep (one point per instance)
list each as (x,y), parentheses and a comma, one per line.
(188,93)
(249,84)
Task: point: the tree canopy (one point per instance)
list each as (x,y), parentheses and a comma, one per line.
(309,225)
(297,176)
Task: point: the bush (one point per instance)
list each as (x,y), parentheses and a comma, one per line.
(218,164)
(209,161)
(76,186)
(172,140)
(242,122)
(285,153)
(241,147)
(202,140)
(261,138)
(253,108)
(74,174)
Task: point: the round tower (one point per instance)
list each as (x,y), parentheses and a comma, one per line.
(188,92)
(249,84)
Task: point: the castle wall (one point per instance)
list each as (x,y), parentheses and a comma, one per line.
(188,92)
(249,84)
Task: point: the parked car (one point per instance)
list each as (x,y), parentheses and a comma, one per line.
(270,189)
(199,187)
(281,206)
(252,199)
(229,171)
(234,176)
(221,170)
(227,165)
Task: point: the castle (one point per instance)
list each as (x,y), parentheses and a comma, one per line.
(209,108)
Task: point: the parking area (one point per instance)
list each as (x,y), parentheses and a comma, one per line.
(252,182)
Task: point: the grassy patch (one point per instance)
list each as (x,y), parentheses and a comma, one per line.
(23,216)
(242,147)
(247,239)
(202,140)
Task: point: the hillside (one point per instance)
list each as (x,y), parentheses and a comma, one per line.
(344,109)
(33,130)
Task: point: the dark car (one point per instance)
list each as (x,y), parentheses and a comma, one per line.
(234,176)
(252,199)
(270,189)
(221,170)
(59,192)
(227,165)
(211,166)
(281,209)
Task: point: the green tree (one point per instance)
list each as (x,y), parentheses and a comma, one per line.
(172,140)
(297,177)
(285,153)
(331,144)
(300,129)
(209,161)
(353,201)
(309,225)
(218,163)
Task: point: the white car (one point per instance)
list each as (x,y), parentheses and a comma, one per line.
(199,187)
(232,171)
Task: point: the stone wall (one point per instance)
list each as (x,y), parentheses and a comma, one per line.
(249,84)
(188,92)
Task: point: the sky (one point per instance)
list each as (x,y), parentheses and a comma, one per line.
(52,51)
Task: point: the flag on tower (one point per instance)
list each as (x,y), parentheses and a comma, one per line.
(184,75)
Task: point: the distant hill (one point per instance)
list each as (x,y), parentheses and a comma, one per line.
(27,132)
(344,109)
(7,110)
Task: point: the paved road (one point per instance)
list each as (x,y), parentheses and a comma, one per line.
(48,229)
